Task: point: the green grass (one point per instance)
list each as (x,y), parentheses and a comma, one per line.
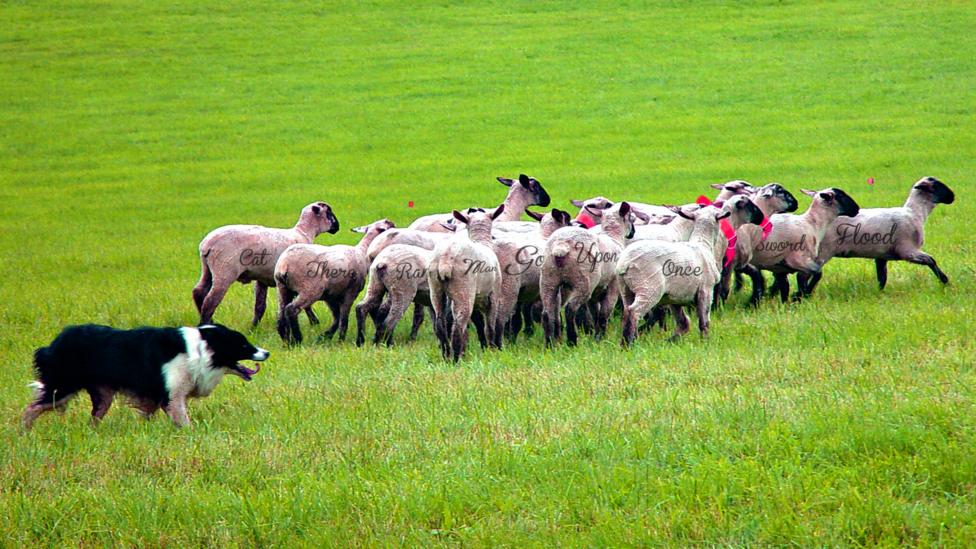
(129,130)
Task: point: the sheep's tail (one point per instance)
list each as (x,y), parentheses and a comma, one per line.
(560,251)
(445,269)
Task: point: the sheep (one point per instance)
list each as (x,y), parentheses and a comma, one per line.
(794,242)
(306,273)
(249,252)
(770,199)
(726,191)
(463,277)
(578,269)
(519,256)
(590,209)
(399,272)
(412,237)
(885,234)
(524,192)
(653,272)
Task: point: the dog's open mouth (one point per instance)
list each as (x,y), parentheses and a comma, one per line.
(244,372)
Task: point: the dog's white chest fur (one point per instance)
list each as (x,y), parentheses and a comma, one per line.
(190,373)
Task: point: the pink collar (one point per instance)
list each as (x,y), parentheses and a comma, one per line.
(727,231)
(585,219)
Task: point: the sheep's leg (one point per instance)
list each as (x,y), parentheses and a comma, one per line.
(528,321)
(758,284)
(216,294)
(605,309)
(418,319)
(514,326)
(285,298)
(570,325)
(681,323)
(438,300)
(808,282)
(260,302)
(479,325)
(101,399)
(703,302)
(738,281)
(398,305)
(550,316)
(723,288)
(459,331)
(628,318)
(365,307)
(782,283)
(344,309)
(334,309)
(312,319)
(202,288)
(919,257)
(291,312)
(881,267)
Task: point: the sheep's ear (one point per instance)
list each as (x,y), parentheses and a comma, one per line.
(534,215)
(720,204)
(524,180)
(722,215)
(718,186)
(449,226)
(679,211)
(624,209)
(506,181)
(593,210)
(498,212)
(642,216)
(808,192)
(316,210)
(577,203)
(561,216)
(362,229)
(460,216)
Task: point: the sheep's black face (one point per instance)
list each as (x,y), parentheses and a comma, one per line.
(845,204)
(787,198)
(941,193)
(752,212)
(539,195)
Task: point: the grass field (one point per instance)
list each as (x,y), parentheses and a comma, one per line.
(129,130)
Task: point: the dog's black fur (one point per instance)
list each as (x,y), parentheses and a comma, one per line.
(103,361)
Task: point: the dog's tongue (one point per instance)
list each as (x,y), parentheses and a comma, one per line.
(585,219)
(248,373)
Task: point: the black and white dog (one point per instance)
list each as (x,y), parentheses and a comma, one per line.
(154,367)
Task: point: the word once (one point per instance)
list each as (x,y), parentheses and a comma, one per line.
(321,269)
(250,258)
(670,269)
(783,245)
(849,232)
(589,256)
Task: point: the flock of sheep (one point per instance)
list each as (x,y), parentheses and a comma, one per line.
(487,267)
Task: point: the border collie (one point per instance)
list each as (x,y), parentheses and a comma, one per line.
(154,367)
